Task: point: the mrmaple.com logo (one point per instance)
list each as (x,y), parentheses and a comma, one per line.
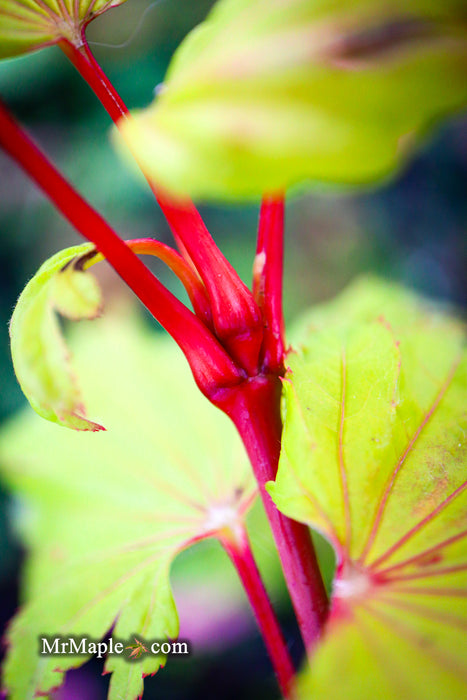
(133,649)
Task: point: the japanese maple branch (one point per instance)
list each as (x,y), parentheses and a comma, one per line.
(257,421)
(194,240)
(210,364)
(254,407)
(237,546)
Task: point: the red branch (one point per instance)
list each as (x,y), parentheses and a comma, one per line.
(267,280)
(88,67)
(185,273)
(253,404)
(211,365)
(254,407)
(239,550)
(236,317)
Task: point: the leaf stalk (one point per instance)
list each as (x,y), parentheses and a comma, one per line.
(237,546)
(267,281)
(239,369)
(254,407)
(236,316)
(210,364)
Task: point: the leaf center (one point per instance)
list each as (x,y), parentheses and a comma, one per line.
(353,582)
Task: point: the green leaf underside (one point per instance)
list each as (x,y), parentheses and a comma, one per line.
(374,456)
(107,513)
(266,94)
(26,25)
(40,357)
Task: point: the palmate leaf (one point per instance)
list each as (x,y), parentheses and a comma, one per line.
(266,93)
(105,514)
(374,456)
(26,25)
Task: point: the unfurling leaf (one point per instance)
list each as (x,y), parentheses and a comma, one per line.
(104,517)
(26,25)
(265,94)
(374,456)
(40,357)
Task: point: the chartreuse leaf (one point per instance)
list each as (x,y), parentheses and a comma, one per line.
(106,514)
(38,350)
(374,456)
(265,94)
(26,25)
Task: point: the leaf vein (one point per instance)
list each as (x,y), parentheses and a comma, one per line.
(402,460)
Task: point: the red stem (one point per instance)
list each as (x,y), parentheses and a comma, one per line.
(236,316)
(211,365)
(88,67)
(185,273)
(254,407)
(238,548)
(232,304)
(267,280)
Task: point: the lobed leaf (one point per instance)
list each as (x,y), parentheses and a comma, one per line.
(264,94)
(104,515)
(40,357)
(374,456)
(26,25)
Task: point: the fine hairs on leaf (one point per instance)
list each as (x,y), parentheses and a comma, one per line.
(358,432)
(38,350)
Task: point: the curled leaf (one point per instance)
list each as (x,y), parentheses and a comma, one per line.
(40,357)
(374,456)
(26,25)
(266,94)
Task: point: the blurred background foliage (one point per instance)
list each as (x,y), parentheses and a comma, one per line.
(410,229)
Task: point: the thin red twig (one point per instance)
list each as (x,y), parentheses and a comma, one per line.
(185,273)
(239,550)
(254,407)
(267,280)
(88,67)
(232,305)
(211,365)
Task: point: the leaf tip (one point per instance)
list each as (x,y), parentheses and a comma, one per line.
(81,423)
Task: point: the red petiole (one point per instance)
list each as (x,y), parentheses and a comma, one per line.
(267,280)
(237,546)
(236,346)
(254,407)
(185,273)
(211,365)
(236,317)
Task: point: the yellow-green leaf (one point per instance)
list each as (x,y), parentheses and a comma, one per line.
(266,94)
(26,25)
(374,456)
(40,357)
(104,515)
